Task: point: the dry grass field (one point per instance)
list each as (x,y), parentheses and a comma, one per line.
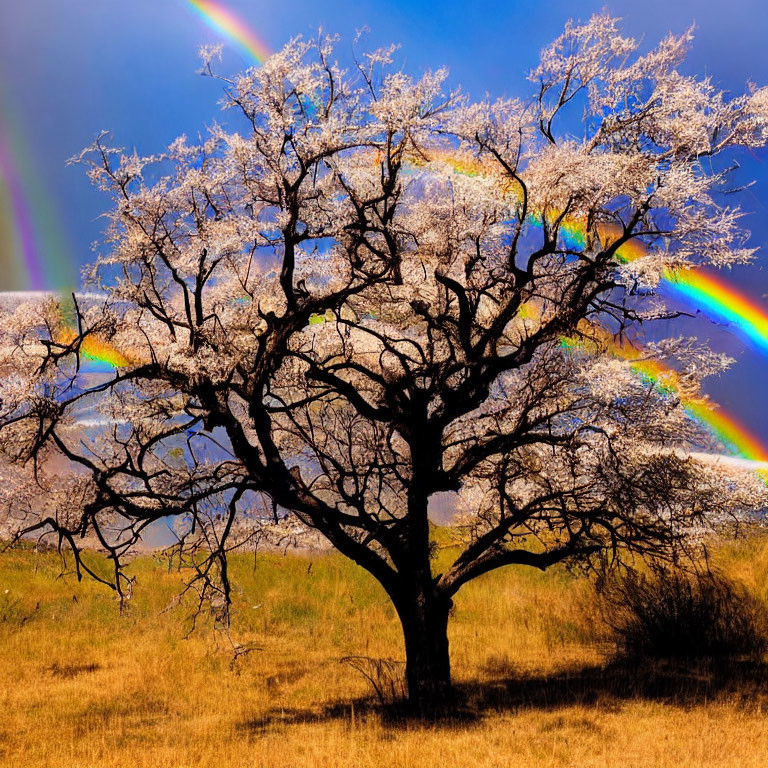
(81,685)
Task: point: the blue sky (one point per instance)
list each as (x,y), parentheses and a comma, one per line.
(71,68)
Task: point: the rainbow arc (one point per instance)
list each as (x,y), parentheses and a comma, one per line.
(224,21)
(735,438)
(698,288)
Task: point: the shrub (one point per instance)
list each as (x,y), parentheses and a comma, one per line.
(675,614)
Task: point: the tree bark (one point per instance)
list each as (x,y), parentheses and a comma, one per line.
(423,614)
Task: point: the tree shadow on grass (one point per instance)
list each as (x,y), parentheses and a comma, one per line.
(674,682)
(606,686)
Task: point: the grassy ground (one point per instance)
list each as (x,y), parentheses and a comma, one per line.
(81,685)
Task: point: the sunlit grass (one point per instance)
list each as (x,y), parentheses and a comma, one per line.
(82,685)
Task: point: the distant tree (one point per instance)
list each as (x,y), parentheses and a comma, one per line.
(359,300)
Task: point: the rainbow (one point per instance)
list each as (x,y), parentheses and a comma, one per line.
(707,292)
(735,438)
(99,351)
(222,20)
(22,234)
(718,298)
(715,298)
(94,350)
(33,251)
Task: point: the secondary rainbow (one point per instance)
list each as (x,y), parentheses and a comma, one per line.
(22,238)
(34,249)
(226,22)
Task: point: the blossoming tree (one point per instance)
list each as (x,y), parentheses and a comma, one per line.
(358,297)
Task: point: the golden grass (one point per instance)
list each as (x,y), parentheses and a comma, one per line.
(81,685)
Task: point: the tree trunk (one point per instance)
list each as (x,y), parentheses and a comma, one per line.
(424,618)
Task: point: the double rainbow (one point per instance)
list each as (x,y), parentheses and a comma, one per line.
(33,246)
(699,288)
